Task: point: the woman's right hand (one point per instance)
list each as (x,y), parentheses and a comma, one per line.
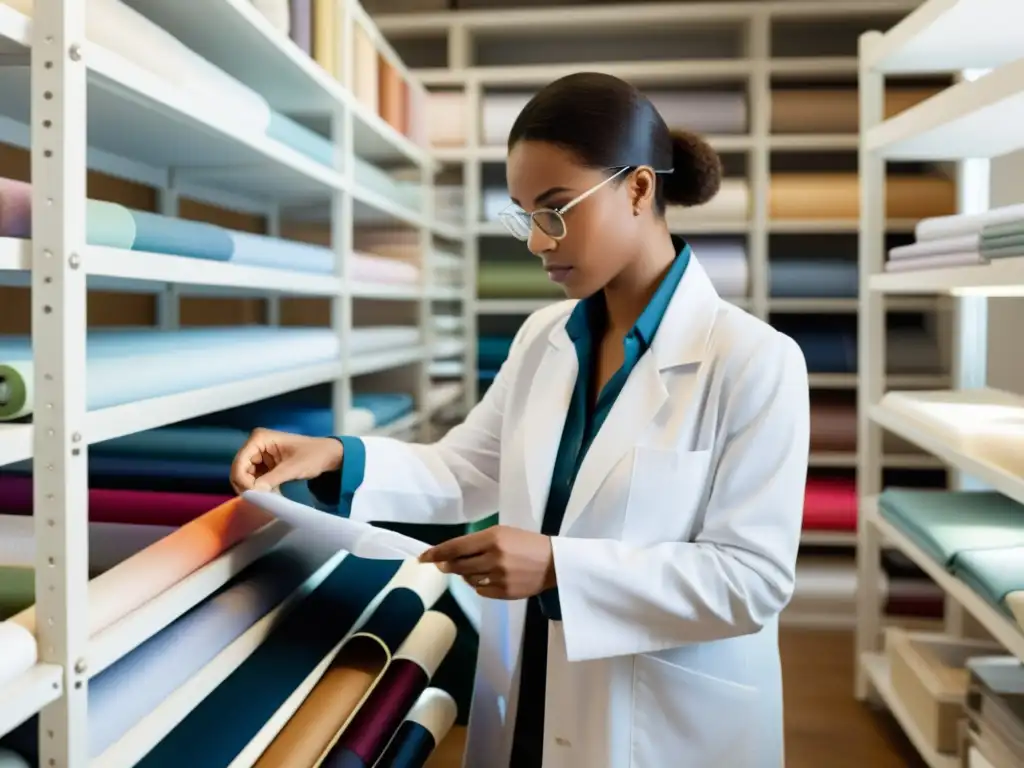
(270,458)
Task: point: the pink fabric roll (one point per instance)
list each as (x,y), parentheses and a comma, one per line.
(365,267)
(118,506)
(15,208)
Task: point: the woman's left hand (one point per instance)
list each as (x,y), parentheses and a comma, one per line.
(500,562)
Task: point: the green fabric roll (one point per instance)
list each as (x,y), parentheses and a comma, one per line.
(521,280)
(992,573)
(109,224)
(948,523)
(17,589)
(14,390)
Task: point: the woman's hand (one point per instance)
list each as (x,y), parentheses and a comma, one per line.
(500,562)
(269,458)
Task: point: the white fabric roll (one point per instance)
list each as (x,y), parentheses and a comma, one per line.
(497,114)
(362,341)
(726,265)
(707,112)
(732,203)
(18,651)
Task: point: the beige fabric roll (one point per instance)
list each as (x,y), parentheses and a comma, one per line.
(366,76)
(446,118)
(813,110)
(836,196)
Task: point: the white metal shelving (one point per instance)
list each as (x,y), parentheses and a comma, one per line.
(971,428)
(79,107)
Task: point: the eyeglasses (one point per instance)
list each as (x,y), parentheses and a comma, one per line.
(550,221)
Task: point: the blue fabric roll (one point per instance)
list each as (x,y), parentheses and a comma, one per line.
(807,279)
(827,351)
(124,693)
(301,139)
(125,367)
(180,237)
(492,351)
(410,748)
(217,730)
(276,253)
(386,408)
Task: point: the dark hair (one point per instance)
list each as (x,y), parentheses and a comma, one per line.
(608,123)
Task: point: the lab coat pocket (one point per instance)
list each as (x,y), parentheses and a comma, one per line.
(686,718)
(666,491)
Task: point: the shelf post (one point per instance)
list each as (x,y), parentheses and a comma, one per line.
(472,183)
(343,222)
(759,175)
(871,357)
(426,303)
(168,303)
(60,477)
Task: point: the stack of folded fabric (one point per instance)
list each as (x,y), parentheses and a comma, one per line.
(952,241)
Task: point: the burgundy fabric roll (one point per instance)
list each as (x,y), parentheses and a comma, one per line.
(118,506)
(378,719)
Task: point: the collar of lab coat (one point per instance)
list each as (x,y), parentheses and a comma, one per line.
(682,336)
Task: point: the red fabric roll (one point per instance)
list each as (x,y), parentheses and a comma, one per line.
(830,504)
(118,506)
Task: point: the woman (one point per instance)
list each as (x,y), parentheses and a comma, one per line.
(647,449)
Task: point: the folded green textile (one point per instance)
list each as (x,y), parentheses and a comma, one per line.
(947,523)
(520,280)
(1004,229)
(1001,252)
(992,573)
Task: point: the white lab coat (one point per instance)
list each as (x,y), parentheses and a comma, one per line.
(678,548)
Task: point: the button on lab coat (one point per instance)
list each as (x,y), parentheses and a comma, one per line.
(678,547)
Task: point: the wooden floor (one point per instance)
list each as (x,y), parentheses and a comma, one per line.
(825,725)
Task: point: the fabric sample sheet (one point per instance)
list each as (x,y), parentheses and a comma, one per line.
(361,539)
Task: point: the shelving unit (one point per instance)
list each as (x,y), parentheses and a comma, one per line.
(971,428)
(762,50)
(79,107)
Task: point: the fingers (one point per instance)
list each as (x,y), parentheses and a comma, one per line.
(256,457)
(470,566)
(460,547)
(276,477)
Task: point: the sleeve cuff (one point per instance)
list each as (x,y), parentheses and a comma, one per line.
(550,604)
(337,489)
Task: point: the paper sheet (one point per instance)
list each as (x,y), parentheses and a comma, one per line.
(361,539)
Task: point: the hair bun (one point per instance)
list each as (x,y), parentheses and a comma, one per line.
(696,171)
